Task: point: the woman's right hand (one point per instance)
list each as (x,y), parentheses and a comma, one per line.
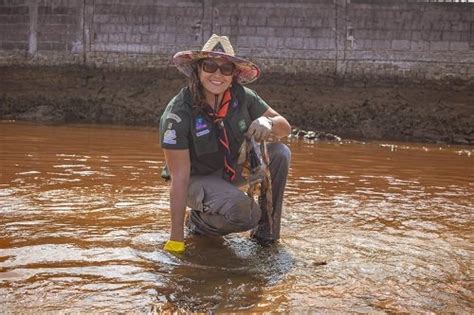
(175,247)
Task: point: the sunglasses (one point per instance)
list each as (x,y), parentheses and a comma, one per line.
(211,66)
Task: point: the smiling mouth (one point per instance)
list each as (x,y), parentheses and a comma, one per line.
(216,82)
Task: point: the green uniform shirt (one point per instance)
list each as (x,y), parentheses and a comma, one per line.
(185,127)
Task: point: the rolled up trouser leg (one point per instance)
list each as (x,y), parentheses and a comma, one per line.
(219,207)
(280,157)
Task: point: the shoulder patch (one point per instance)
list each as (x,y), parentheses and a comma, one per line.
(170,136)
(174,117)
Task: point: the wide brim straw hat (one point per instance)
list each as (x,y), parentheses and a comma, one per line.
(217,47)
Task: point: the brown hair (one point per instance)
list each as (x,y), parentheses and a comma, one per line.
(196,88)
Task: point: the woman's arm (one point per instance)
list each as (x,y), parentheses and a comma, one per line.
(179,167)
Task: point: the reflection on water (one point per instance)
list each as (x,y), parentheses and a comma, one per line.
(367,227)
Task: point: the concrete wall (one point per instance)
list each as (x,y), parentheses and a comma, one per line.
(353,39)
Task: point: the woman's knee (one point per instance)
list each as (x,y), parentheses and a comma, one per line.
(280,157)
(244,215)
(279,153)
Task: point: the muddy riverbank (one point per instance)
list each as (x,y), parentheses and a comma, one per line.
(442,113)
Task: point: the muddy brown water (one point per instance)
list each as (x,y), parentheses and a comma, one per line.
(367,227)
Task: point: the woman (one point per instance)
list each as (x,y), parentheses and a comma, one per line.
(201,132)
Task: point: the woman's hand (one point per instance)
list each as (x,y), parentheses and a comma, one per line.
(260,128)
(174,247)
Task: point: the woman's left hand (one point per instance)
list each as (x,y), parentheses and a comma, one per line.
(260,128)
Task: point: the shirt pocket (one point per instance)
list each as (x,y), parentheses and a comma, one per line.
(238,124)
(205,141)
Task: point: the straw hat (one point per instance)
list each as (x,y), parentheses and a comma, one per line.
(218,47)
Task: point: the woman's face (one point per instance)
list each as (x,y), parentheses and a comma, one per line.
(216,76)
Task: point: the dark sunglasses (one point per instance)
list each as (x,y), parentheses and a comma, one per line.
(211,66)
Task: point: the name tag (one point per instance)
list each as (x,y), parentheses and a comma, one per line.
(202,132)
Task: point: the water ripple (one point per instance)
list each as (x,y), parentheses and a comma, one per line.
(367,227)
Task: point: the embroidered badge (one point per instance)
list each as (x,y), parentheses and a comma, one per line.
(200,123)
(242,125)
(169,137)
(202,132)
(170,125)
(174,117)
(235,103)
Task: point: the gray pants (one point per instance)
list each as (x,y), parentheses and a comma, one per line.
(219,207)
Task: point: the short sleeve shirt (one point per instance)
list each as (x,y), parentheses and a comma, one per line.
(182,127)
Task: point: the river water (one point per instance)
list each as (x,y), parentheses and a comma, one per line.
(367,227)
